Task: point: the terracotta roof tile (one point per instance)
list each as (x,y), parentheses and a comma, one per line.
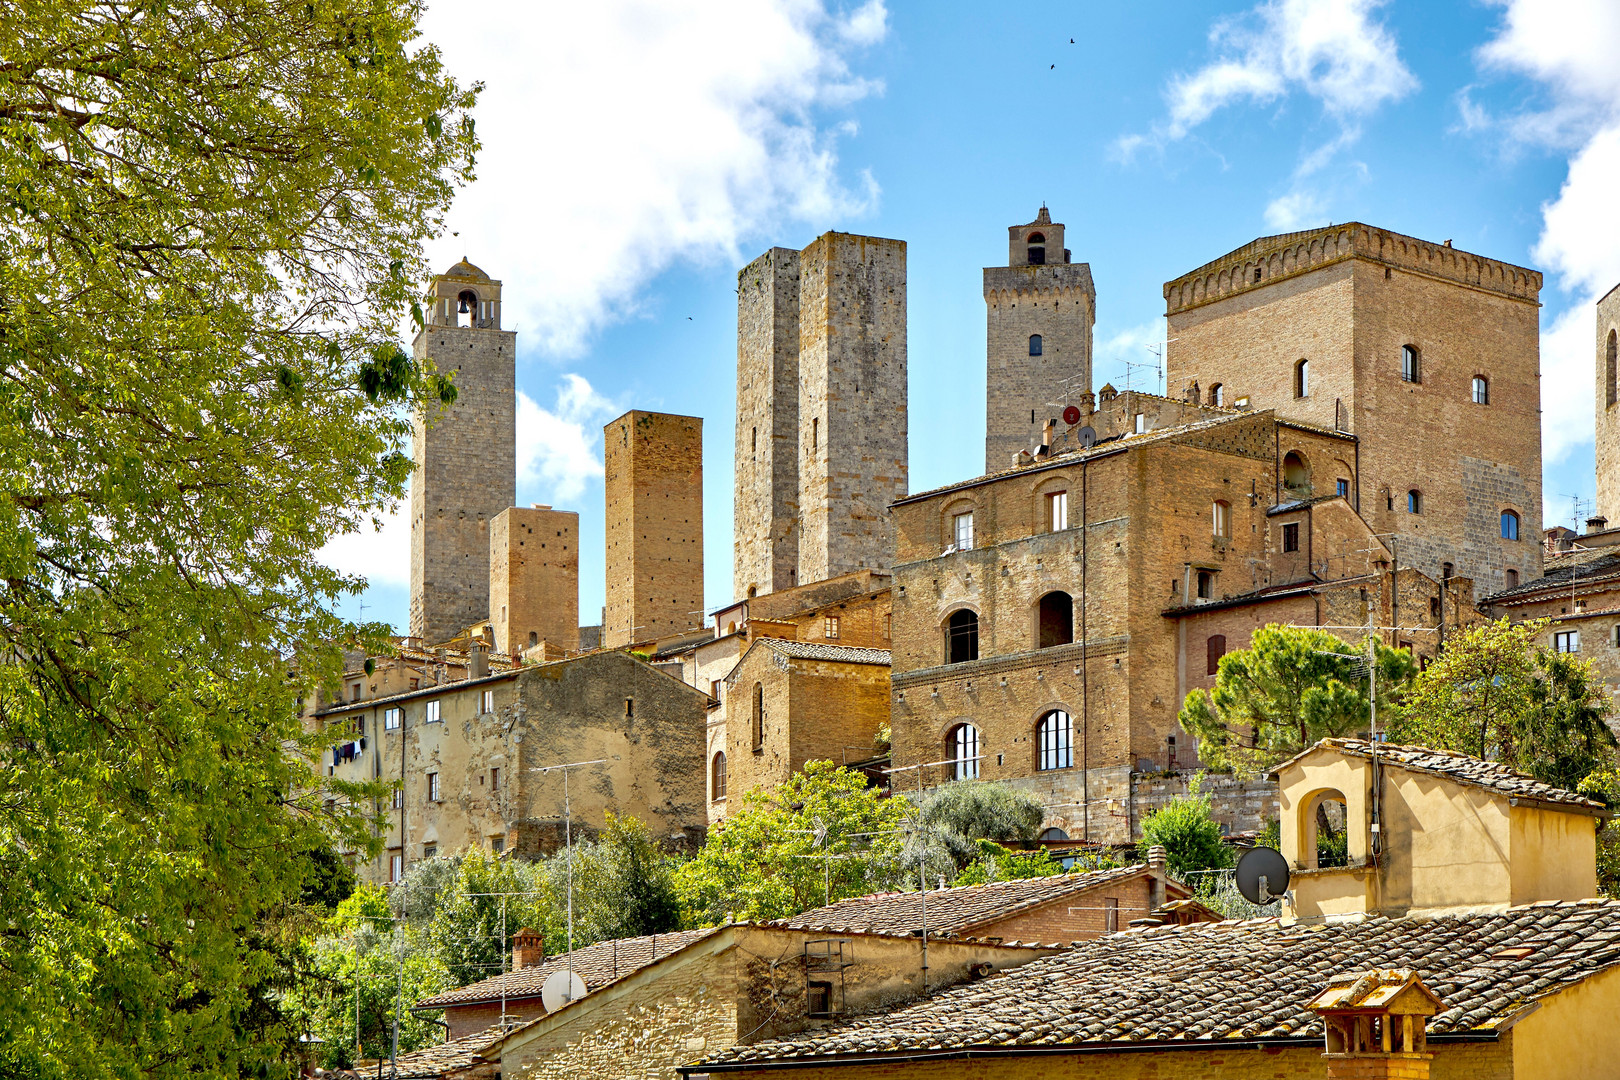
(815,650)
(1231,980)
(431,1062)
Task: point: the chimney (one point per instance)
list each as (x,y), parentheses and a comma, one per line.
(477,661)
(1374,1025)
(1158,863)
(1049,432)
(1596,524)
(528,949)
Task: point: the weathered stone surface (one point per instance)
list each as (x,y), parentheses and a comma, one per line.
(653,483)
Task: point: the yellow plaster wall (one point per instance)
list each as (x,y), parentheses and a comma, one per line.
(1573,1035)
(1448,845)
(1554,855)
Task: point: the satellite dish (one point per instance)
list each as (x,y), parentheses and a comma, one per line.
(1071,415)
(560,988)
(1088,436)
(1262,863)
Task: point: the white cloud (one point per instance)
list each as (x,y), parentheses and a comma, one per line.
(558,449)
(622,136)
(382,557)
(1293,211)
(1569,47)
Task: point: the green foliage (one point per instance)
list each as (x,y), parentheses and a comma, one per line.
(996,863)
(624,886)
(211,217)
(1191,838)
(820,836)
(1291,687)
(1496,694)
(1604,785)
(959,816)
(467,932)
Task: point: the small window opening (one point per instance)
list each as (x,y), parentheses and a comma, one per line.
(818,999)
(1414,502)
(1257,275)
(1206,584)
(1034,344)
(815,433)
(1221,518)
(962,637)
(1446,570)
(1511,577)
(629,708)
(962,530)
(534,639)
(962,750)
(1056,620)
(830,627)
(1482,390)
(1302,379)
(758,721)
(1214,649)
(1057,511)
(1410,370)
(1290,536)
(1296,476)
(1342,488)
(719,774)
(1510,525)
(1567,641)
(1217,395)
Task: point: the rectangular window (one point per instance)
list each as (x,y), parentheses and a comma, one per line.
(433,786)
(963,531)
(1221,518)
(416,684)
(1567,641)
(396,864)
(433,716)
(818,999)
(430,851)
(392,719)
(1343,488)
(1057,515)
(714,689)
(399,798)
(495,779)
(488,704)
(355,692)
(1111,914)
(497,844)
(1141,423)
(1291,536)
(830,629)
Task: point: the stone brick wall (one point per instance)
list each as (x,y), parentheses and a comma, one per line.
(1593,612)
(534,578)
(1077,918)
(653,482)
(767,449)
(852,402)
(1607,404)
(466,465)
(1237,805)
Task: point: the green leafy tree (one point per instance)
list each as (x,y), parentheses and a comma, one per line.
(475,916)
(1496,693)
(211,227)
(624,885)
(961,814)
(1188,831)
(1291,687)
(822,835)
(996,863)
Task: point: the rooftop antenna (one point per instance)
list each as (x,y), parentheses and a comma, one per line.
(568,843)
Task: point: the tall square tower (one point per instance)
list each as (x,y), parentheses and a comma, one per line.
(1608,407)
(653,466)
(766,534)
(1039,309)
(852,402)
(534,578)
(466,467)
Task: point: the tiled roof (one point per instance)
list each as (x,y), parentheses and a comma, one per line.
(432,1062)
(1462,768)
(1249,980)
(597,964)
(815,650)
(954,911)
(1565,571)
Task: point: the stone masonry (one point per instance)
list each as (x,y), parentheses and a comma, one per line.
(466,465)
(1608,405)
(1039,296)
(534,578)
(653,465)
(767,466)
(1346,301)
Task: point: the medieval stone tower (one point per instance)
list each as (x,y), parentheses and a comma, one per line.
(653,466)
(466,469)
(766,511)
(1608,407)
(821,410)
(1040,309)
(534,578)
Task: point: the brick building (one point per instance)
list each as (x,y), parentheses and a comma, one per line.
(466,458)
(465,744)
(1039,312)
(534,579)
(1607,401)
(821,411)
(653,484)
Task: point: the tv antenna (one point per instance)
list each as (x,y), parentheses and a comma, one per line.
(568,843)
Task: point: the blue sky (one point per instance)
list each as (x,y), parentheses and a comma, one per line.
(637,153)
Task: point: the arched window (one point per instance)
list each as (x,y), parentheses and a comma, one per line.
(757,723)
(1037,251)
(1414,501)
(467,305)
(1034,344)
(1296,475)
(1214,649)
(1053,834)
(961,637)
(1323,831)
(1410,371)
(962,751)
(1612,356)
(718,772)
(1217,395)
(1482,390)
(1302,379)
(1510,525)
(1054,736)
(1057,619)
(534,639)
(1221,517)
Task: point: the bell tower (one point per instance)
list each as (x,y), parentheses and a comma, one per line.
(466,457)
(1040,309)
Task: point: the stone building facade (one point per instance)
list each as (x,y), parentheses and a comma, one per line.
(534,578)
(1607,401)
(466,458)
(1039,312)
(1429,355)
(821,410)
(466,754)
(653,480)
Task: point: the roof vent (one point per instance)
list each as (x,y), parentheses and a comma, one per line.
(1596,524)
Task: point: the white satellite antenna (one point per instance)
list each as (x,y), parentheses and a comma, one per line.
(560,988)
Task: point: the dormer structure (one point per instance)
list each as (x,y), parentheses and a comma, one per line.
(1040,309)
(1428,832)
